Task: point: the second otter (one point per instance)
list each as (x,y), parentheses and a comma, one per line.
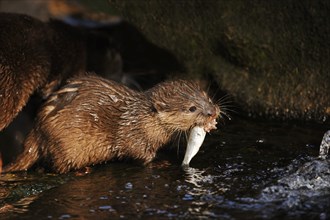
(92,120)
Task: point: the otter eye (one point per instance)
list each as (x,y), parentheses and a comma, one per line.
(192,108)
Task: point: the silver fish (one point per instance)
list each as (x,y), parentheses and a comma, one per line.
(195,141)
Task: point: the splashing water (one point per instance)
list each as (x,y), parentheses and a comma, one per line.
(306,187)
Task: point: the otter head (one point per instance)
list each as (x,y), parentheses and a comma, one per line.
(181,105)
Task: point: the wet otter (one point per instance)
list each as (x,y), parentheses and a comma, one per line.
(91,120)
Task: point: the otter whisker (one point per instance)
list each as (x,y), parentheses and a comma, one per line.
(228,104)
(186,133)
(225,97)
(208,88)
(225,114)
(178,138)
(216,94)
(227,109)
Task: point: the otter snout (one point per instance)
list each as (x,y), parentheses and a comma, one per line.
(211,111)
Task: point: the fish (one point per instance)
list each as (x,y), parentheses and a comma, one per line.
(195,141)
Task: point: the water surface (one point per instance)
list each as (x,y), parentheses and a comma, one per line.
(247,169)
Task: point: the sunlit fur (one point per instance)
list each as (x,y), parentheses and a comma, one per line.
(173,99)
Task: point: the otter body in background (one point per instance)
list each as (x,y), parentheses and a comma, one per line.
(34,56)
(92,120)
(38,56)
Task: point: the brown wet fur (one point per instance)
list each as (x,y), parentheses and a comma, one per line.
(34,56)
(91,120)
(21,60)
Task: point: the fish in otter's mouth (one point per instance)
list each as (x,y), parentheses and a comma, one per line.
(196,139)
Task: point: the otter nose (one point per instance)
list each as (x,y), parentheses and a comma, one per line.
(211,112)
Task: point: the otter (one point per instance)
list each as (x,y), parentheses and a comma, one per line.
(92,120)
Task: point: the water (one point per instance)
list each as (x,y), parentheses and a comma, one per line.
(246,170)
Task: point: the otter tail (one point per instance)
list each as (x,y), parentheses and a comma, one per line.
(26,159)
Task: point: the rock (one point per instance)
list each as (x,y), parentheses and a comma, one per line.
(271,56)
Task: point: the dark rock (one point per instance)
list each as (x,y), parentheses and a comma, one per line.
(271,56)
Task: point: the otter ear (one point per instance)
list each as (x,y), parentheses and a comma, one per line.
(159,106)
